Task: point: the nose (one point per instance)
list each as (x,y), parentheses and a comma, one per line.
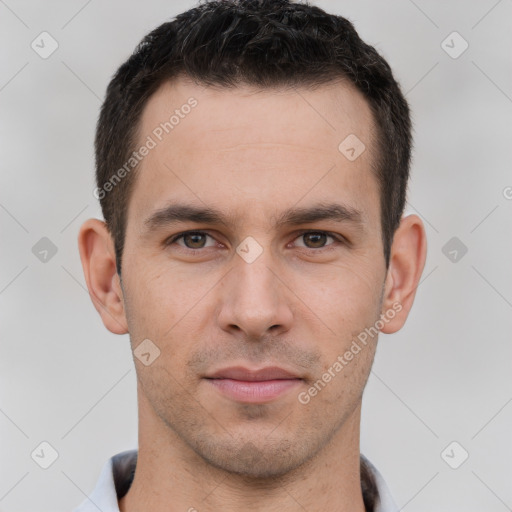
(254,300)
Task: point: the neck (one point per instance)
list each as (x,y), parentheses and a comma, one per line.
(170,477)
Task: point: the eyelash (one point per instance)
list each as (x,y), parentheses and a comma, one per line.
(337,238)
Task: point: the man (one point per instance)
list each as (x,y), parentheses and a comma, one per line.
(252,165)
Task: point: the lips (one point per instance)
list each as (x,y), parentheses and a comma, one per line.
(244,374)
(253,386)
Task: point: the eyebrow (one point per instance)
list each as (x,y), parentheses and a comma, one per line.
(181,213)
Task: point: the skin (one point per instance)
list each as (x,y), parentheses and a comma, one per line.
(252,154)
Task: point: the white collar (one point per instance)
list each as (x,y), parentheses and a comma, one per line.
(117,470)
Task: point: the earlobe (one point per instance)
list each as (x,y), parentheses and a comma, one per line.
(99,266)
(407,261)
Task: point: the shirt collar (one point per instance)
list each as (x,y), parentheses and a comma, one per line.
(117,474)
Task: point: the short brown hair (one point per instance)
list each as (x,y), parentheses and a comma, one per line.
(264,43)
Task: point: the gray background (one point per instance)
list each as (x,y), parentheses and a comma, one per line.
(445,377)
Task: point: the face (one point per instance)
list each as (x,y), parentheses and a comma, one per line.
(253,260)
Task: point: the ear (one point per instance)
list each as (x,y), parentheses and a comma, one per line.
(99,264)
(407,260)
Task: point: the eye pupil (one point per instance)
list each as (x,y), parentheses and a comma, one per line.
(194,240)
(315,240)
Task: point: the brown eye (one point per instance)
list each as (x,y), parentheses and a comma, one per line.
(316,240)
(193,240)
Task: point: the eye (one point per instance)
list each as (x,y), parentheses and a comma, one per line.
(197,240)
(192,240)
(316,239)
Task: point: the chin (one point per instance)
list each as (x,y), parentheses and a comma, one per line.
(262,461)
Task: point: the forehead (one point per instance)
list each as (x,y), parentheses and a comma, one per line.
(235,147)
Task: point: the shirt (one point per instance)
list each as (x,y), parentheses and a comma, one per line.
(117,475)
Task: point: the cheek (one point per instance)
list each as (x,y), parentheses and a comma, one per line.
(344,295)
(161,298)
(347,387)
(168,392)
(346,365)
(175,315)
(345,307)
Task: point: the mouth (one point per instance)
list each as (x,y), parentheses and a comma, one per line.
(253,386)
